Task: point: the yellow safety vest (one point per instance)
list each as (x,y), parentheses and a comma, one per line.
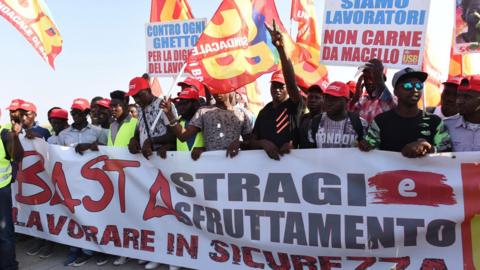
(125,133)
(5,167)
(183,146)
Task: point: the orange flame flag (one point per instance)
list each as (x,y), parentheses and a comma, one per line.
(235,48)
(31,20)
(307,72)
(170,10)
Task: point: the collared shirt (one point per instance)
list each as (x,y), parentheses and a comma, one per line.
(89,134)
(53,139)
(150,113)
(465,135)
(115,126)
(368,108)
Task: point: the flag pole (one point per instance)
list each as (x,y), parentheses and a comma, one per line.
(167,95)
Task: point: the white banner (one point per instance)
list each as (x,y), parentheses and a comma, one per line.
(169,44)
(357,31)
(314,209)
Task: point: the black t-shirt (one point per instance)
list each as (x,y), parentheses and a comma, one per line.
(304,129)
(397,131)
(279,125)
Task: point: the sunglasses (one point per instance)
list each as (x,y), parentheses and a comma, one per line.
(410,86)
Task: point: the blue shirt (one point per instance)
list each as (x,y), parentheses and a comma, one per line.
(41,131)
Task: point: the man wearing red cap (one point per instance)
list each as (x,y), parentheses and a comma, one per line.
(28,113)
(83,136)
(187,103)
(276,128)
(223,125)
(14,113)
(448,102)
(406,128)
(336,128)
(104,113)
(160,138)
(465,127)
(58,119)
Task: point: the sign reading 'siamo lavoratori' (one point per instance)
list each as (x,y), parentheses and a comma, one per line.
(355,31)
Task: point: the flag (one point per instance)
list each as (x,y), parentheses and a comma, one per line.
(254,96)
(310,71)
(32,20)
(170,10)
(156,87)
(433,84)
(235,48)
(463,65)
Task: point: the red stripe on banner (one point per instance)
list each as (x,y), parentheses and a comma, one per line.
(411,187)
(471,194)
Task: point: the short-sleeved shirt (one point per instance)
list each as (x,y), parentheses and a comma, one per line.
(465,135)
(368,108)
(41,131)
(279,125)
(89,134)
(336,134)
(391,132)
(148,115)
(221,127)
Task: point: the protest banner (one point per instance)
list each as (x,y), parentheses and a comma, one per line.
(354,31)
(314,209)
(169,44)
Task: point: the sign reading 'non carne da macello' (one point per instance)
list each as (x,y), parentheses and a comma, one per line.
(355,31)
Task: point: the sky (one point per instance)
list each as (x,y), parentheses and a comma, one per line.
(104,47)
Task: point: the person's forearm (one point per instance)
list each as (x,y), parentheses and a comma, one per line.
(289,74)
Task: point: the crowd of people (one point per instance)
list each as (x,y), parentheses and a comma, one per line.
(363,114)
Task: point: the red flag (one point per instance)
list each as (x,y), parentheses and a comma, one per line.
(31,20)
(235,48)
(170,10)
(307,72)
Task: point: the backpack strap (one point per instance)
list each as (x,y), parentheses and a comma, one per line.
(357,124)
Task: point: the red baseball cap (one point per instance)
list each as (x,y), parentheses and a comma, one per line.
(59,113)
(338,89)
(15,104)
(188,93)
(28,106)
(470,83)
(277,76)
(104,103)
(80,104)
(191,81)
(136,85)
(352,86)
(454,80)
